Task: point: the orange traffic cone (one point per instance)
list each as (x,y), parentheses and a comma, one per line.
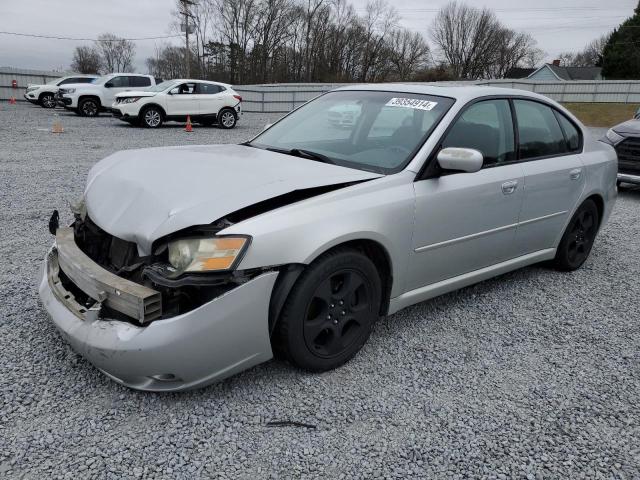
(12,101)
(57,126)
(188,128)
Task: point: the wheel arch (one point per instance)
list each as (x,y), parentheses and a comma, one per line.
(88,96)
(42,94)
(153,104)
(599,201)
(289,274)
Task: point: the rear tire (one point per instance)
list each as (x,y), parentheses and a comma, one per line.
(330,312)
(227,118)
(577,241)
(47,100)
(89,107)
(151,117)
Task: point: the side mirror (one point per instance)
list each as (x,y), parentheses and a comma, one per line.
(108,85)
(267,126)
(460,159)
(174,91)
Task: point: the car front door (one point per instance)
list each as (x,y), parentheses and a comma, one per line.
(467,221)
(550,146)
(183,100)
(117,84)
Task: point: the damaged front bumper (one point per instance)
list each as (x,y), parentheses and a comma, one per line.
(216,340)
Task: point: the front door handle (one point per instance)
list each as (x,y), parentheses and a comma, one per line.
(509,187)
(575,173)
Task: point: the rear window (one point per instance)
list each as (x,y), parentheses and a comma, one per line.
(209,89)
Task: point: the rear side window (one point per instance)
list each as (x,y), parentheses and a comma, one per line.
(570,132)
(538,130)
(485,126)
(208,89)
(139,82)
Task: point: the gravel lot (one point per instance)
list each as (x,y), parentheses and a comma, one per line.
(535,374)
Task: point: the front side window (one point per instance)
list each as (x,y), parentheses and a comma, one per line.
(186,89)
(485,126)
(118,82)
(368,130)
(538,130)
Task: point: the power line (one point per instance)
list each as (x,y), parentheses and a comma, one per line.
(51,37)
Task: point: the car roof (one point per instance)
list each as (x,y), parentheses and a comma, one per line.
(198,81)
(455,91)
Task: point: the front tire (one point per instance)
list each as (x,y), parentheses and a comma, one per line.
(330,311)
(577,241)
(89,107)
(152,117)
(47,100)
(227,118)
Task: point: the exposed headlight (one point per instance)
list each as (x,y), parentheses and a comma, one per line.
(69,90)
(206,254)
(31,89)
(129,99)
(613,137)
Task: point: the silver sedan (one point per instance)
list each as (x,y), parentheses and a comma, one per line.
(186,265)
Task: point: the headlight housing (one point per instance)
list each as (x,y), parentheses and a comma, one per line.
(613,137)
(129,99)
(69,90)
(211,254)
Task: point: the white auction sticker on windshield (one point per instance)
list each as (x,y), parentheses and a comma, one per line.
(411,103)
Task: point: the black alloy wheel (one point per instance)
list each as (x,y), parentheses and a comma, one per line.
(330,311)
(578,238)
(89,107)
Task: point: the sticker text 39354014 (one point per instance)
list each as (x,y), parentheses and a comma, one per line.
(411,103)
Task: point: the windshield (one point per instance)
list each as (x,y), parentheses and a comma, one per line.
(161,87)
(368,130)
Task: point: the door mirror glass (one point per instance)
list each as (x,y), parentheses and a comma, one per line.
(460,159)
(109,84)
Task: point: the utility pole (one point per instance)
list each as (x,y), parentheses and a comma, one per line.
(187,56)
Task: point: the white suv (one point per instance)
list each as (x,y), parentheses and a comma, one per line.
(90,99)
(205,102)
(44,95)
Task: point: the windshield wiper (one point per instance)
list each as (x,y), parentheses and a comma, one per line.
(299,152)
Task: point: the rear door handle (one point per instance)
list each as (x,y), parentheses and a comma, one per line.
(575,173)
(509,187)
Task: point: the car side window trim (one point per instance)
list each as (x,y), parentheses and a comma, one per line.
(430,167)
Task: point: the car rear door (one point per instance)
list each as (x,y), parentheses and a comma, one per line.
(467,221)
(549,149)
(211,98)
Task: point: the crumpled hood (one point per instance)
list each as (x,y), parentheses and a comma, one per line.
(630,127)
(143,195)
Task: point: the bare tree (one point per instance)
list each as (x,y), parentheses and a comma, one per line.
(379,21)
(533,57)
(474,42)
(590,56)
(116,53)
(408,52)
(86,60)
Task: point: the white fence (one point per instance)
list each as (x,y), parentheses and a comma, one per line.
(280,98)
(284,97)
(23,78)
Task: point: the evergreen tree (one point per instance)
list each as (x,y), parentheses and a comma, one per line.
(621,56)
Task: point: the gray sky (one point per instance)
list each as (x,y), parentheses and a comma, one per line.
(557,25)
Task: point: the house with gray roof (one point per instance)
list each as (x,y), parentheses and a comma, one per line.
(552,72)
